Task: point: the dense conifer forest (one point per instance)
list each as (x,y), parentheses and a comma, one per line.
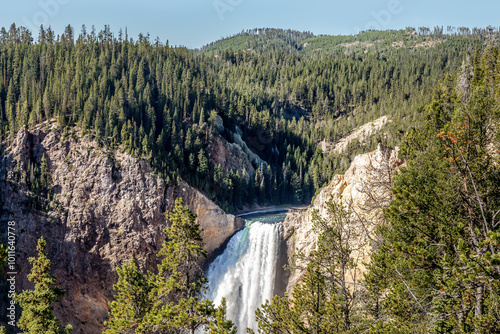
(436,261)
(162,103)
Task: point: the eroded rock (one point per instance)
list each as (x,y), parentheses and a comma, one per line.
(364,189)
(108,207)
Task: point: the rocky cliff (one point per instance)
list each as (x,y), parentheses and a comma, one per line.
(364,190)
(361,133)
(230,156)
(107,207)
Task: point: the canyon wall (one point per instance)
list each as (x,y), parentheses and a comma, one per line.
(107,208)
(364,190)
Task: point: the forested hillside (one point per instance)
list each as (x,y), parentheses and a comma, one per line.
(292,41)
(438,263)
(280,99)
(435,266)
(164,104)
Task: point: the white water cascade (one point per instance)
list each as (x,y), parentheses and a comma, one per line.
(245,272)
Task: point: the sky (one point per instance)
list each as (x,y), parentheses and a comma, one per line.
(194,23)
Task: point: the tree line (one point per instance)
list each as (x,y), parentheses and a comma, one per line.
(436,261)
(162,103)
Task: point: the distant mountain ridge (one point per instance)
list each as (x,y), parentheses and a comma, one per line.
(260,40)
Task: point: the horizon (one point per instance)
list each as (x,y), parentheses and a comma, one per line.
(152,38)
(196,23)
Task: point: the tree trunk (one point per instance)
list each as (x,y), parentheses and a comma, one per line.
(478,311)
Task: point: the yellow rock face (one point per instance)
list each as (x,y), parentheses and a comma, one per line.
(364,190)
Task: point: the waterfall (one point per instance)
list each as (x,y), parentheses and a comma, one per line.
(245,272)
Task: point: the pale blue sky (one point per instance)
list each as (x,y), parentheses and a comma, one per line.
(194,23)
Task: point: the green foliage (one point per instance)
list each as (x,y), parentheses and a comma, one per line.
(169,300)
(259,40)
(132,300)
(305,43)
(221,325)
(437,267)
(3,262)
(37,314)
(159,103)
(3,256)
(312,308)
(180,277)
(328,299)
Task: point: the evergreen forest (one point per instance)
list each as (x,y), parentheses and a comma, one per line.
(435,266)
(164,104)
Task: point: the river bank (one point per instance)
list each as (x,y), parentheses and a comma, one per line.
(271,209)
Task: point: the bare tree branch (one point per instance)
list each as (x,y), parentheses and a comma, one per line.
(409,290)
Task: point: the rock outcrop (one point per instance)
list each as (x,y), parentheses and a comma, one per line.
(231,152)
(362,133)
(230,156)
(364,190)
(107,208)
(218,227)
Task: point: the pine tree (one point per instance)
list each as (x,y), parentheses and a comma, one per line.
(44,174)
(180,277)
(203,165)
(132,300)
(323,302)
(221,325)
(37,315)
(169,301)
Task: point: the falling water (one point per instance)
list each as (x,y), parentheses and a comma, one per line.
(245,273)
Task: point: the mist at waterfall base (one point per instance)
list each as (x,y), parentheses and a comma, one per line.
(245,272)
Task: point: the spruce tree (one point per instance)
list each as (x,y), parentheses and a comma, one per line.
(180,281)
(37,315)
(132,300)
(221,325)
